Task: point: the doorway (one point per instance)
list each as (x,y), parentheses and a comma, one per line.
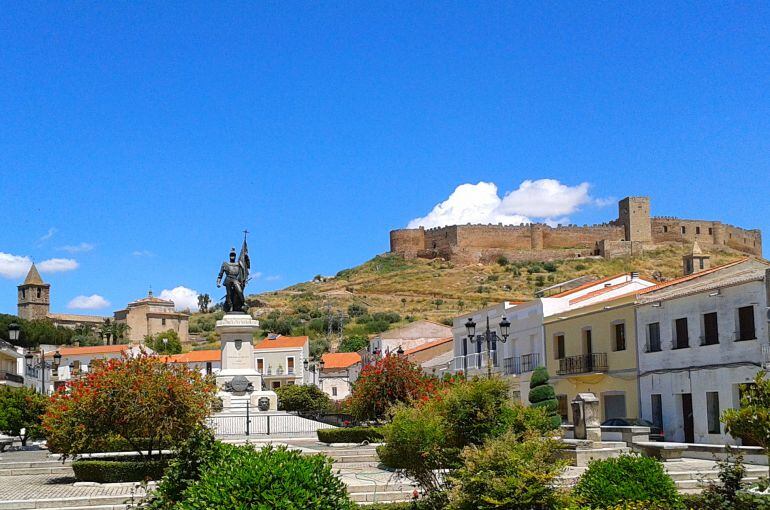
(687,418)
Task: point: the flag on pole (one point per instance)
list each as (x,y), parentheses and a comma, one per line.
(244,263)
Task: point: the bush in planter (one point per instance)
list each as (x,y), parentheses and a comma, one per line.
(625,479)
(243,477)
(350,435)
(112,470)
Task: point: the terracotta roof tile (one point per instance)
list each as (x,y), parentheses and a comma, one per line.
(282,342)
(196,356)
(428,345)
(333,360)
(91,349)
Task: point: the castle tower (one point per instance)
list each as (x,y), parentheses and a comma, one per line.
(34,297)
(696,261)
(634,215)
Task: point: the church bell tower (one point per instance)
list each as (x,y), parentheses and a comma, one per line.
(34,299)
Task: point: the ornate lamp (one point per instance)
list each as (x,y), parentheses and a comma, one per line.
(13,332)
(471,327)
(505,326)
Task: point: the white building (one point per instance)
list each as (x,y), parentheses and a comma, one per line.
(340,370)
(280,360)
(698,340)
(408,337)
(74,361)
(525,348)
(11,368)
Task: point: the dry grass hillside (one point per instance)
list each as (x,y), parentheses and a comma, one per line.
(437,290)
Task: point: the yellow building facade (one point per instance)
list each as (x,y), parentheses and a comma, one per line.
(593,349)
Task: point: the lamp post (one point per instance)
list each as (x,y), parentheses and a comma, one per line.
(13,332)
(315,368)
(489,336)
(42,365)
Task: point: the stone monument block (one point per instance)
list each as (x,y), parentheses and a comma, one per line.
(585,410)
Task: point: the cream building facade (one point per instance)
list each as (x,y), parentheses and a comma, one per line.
(151,315)
(280,360)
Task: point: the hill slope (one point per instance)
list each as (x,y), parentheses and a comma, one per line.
(436,289)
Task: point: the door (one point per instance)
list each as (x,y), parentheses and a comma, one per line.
(588,350)
(689,431)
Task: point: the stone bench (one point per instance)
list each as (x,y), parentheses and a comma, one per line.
(661,451)
(5,442)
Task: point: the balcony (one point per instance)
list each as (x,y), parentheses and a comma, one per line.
(474,361)
(521,364)
(583,364)
(766,356)
(8,377)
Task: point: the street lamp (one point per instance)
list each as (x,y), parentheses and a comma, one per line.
(42,365)
(13,332)
(490,337)
(400,351)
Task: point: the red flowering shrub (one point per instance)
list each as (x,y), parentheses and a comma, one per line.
(142,401)
(388,381)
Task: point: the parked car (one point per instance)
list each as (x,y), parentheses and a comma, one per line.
(656,433)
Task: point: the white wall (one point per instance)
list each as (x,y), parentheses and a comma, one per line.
(700,369)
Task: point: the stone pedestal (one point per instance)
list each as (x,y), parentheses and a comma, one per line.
(585,410)
(239,381)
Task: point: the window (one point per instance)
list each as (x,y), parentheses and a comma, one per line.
(665,229)
(563,408)
(620,336)
(746,329)
(712,411)
(697,230)
(657,410)
(276,385)
(614,406)
(684,230)
(334,391)
(559,346)
(711,231)
(701,263)
(163,322)
(653,337)
(23,293)
(710,329)
(38,292)
(290,364)
(208,367)
(260,365)
(681,335)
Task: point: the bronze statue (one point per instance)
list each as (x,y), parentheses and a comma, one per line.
(236,277)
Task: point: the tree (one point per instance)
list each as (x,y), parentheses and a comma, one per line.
(541,395)
(438,303)
(752,420)
(172,345)
(203,303)
(388,381)
(403,302)
(149,404)
(21,411)
(353,344)
(305,399)
(356,310)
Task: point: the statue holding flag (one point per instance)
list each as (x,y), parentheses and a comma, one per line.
(236,277)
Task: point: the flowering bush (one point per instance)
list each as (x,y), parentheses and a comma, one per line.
(149,404)
(388,381)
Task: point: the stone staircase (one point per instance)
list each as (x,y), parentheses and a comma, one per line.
(36,467)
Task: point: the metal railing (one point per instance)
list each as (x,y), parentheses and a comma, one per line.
(8,376)
(476,360)
(512,366)
(766,356)
(249,421)
(529,362)
(583,364)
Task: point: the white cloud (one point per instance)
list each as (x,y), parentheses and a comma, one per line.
(57,265)
(14,266)
(77,248)
(92,302)
(182,297)
(542,200)
(142,253)
(48,235)
(273,278)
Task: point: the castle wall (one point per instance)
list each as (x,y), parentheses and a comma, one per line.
(580,237)
(633,232)
(707,233)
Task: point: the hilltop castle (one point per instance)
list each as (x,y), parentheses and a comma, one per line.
(632,233)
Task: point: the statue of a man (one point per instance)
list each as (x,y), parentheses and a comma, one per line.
(236,276)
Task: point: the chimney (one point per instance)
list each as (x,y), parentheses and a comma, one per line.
(696,261)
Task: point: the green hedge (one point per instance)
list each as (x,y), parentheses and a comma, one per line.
(350,435)
(113,471)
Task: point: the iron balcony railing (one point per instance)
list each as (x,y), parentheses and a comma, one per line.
(7,376)
(583,364)
(521,364)
(475,361)
(766,356)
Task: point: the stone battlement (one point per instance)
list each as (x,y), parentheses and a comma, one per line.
(633,232)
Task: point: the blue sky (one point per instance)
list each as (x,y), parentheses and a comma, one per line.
(139,139)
